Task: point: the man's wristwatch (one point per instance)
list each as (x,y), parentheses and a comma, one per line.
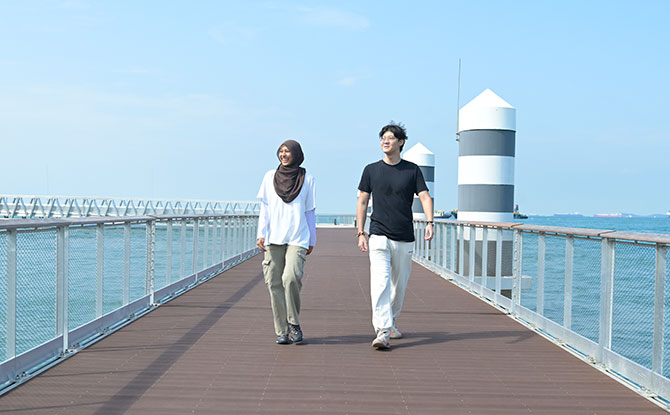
(360,233)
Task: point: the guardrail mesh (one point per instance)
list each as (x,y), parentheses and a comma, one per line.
(113,268)
(586,288)
(81,276)
(3,296)
(529,269)
(554,278)
(161,257)
(138,261)
(35,288)
(633,306)
(666,317)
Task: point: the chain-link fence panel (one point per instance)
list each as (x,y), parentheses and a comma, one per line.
(586,287)
(201,246)
(35,289)
(177,272)
(138,261)
(81,276)
(554,278)
(3,296)
(666,316)
(633,304)
(529,269)
(188,251)
(160,255)
(113,268)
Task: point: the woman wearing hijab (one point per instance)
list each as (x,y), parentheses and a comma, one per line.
(287,234)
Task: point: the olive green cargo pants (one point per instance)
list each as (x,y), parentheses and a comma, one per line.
(283,268)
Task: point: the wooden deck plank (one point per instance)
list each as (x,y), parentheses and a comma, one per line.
(212,351)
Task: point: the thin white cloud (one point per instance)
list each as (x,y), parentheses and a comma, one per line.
(136,70)
(330,17)
(232,33)
(348,81)
(320,16)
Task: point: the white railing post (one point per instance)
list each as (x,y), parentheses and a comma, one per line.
(222,235)
(461,250)
(11,294)
(62,254)
(659,310)
(237,236)
(452,251)
(126,263)
(471,255)
(541,243)
(151,256)
(499,242)
(205,244)
(182,261)
(517,269)
(100,268)
(168,266)
(606,296)
(567,290)
(443,235)
(485,258)
(196,236)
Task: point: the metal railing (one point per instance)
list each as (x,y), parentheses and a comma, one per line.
(65,283)
(336,220)
(12,206)
(601,294)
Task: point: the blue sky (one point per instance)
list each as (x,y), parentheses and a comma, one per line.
(190,100)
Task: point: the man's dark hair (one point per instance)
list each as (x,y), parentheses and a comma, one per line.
(398,131)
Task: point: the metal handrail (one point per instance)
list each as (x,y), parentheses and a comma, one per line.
(626,261)
(44,251)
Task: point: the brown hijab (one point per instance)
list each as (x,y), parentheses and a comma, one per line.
(289,179)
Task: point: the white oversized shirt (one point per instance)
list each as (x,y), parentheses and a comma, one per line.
(282,223)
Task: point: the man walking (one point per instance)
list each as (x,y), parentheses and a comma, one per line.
(392,182)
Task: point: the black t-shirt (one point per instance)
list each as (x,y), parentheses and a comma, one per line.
(392,189)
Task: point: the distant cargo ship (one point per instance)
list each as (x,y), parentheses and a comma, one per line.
(568,214)
(608,215)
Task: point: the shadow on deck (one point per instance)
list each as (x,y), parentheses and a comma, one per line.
(212,351)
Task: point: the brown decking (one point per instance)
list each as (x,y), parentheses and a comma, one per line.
(212,351)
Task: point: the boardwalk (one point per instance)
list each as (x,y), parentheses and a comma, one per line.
(212,351)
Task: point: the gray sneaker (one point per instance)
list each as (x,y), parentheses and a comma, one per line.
(283,339)
(294,333)
(382,340)
(394,333)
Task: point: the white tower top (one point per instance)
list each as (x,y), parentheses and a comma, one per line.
(487,112)
(420,155)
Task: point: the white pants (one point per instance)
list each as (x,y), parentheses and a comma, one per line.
(390,266)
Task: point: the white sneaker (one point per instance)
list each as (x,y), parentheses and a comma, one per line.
(382,340)
(394,333)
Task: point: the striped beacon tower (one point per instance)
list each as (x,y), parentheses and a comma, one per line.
(425,159)
(487,136)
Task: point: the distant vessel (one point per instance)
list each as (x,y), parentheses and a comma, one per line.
(608,215)
(518,215)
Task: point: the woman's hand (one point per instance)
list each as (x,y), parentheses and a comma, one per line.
(260,243)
